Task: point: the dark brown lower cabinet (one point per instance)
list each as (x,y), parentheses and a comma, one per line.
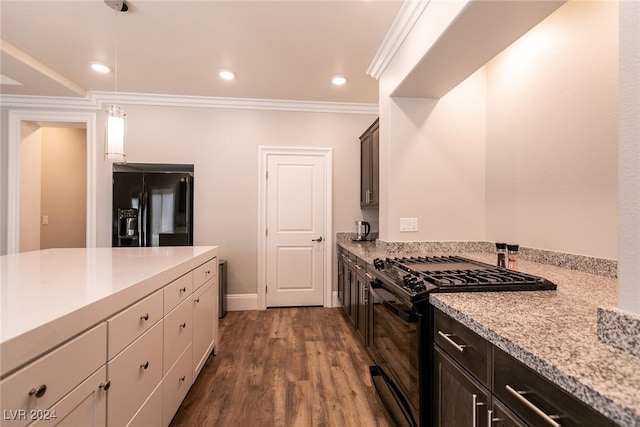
(513,395)
(459,399)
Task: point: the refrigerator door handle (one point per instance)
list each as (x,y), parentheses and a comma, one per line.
(141,218)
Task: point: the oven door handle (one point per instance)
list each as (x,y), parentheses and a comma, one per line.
(408,317)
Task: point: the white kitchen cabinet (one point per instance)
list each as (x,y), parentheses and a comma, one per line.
(134,374)
(177,333)
(85,406)
(176,384)
(204,302)
(39,385)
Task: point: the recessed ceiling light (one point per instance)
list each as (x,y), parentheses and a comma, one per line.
(226,74)
(339,80)
(101,68)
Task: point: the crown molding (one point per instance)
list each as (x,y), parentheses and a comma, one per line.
(403,23)
(96,100)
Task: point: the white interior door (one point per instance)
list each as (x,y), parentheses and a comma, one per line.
(295,240)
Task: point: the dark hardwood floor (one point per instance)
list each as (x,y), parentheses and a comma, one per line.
(284,367)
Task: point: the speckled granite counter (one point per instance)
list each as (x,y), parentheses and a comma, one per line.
(553,332)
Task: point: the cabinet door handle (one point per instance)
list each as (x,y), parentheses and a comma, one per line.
(144,365)
(370,277)
(144,316)
(183,289)
(197,300)
(38,391)
(105,386)
(182,378)
(459,347)
(474,415)
(359,267)
(519,395)
(183,325)
(208,272)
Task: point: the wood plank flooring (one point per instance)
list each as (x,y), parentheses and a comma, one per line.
(284,367)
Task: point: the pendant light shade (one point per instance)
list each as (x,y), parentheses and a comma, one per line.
(115,126)
(114,138)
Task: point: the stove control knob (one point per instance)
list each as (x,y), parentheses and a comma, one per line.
(378,264)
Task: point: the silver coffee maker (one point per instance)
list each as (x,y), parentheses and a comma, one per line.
(362,231)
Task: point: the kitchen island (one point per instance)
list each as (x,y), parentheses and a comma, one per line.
(93,309)
(554,333)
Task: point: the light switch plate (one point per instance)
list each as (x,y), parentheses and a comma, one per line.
(408,224)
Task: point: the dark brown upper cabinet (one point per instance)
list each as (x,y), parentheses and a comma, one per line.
(369,166)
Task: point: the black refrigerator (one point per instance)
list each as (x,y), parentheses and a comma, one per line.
(152,205)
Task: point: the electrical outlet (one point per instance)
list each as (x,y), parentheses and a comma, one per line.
(408,224)
(45,219)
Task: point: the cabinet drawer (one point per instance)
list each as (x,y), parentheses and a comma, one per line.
(125,327)
(151,412)
(465,346)
(54,375)
(134,374)
(205,272)
(177,333)
(177,291)
(175,385)
(536,400)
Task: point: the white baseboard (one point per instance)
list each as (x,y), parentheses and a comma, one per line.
(242,302)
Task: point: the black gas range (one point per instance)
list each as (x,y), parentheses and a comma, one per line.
(416,277)
(401,319)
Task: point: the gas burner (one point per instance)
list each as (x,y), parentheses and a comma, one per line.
(418,276)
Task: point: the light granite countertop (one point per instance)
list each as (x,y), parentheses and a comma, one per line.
(552,332)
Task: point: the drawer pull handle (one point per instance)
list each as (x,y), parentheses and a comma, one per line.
(182,378)
(144,316)
(183,325)
(197,300)
(38,391)
(459,347)
(208,272)
(519,395)
(183,289)
(105,386)
(144,365)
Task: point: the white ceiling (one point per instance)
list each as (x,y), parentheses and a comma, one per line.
(278,49)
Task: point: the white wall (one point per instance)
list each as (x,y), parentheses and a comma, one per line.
(524,150)
(223,146)
(552,134)
(30,186)
(629,252)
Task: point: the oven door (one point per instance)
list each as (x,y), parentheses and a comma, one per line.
(395,344)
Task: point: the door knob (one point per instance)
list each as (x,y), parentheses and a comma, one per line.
(319,239)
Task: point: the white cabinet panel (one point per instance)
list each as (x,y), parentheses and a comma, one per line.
(177,333)
(176,384)
(134,374)
(132,322)
(205,272)
(177,291)
(203,325)
(85,406)
(151,412)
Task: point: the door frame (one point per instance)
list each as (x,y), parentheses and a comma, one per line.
(16,117)
(263,154)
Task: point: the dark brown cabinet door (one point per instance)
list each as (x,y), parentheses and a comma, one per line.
(460,401)
(369,166)
(500,416)
(363,291)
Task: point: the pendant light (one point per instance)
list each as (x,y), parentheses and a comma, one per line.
(115,126)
